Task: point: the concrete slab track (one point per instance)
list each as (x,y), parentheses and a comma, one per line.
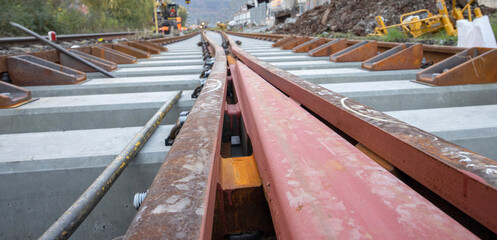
(53,148)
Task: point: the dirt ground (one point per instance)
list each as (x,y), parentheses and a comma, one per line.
(356,16)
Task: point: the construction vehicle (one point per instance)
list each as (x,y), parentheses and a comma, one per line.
(221,25)
(423,21)
(166,17)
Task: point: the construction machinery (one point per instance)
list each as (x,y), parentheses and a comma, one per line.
(423,21)
(166,17)
(221,25)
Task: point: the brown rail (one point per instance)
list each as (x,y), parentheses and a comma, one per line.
(180,201)
(464,178)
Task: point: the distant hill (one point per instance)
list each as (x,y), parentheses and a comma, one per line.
(212,11)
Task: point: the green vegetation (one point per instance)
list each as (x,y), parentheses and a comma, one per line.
(493,22)
(394,35)
(77,16)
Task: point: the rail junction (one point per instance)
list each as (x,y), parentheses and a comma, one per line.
(272,136)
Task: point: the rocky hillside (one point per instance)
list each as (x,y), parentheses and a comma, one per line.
(356,16)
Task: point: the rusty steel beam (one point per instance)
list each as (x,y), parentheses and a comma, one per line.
(328,48)
(70,62)
(309,45)
(130,50)
(356,53)
(13,96)
(318,185)
(463,178)
(26,70)
(112,55)
(180,202)
(472,66)
(403,56)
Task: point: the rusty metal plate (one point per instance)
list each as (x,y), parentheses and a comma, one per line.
(130,50)
(153,45)
(472,66)
(431,52)
(74,64)
(464,178)
(328,48)
(401,57)
(12,96)
(180,202)
(356,53)
(285,40)
(294,43)
(143,47)
(309,45)
(26,70)
(316,182)
(112,55)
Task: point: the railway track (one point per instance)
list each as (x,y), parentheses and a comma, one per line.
(277,141)
(5,41)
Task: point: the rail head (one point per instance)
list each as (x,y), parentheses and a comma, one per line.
(465,179)
(180,201)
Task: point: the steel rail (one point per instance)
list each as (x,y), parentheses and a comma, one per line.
(317,183)
(463,178)
(66,37)
(63,50)
(70,220)
(180,201)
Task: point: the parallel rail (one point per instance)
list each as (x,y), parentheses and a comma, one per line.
(316,183)
(67,37)
(466,179)
(180,201)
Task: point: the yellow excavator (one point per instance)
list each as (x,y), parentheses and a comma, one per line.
(423,21)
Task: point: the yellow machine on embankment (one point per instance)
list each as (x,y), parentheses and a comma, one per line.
(423,21)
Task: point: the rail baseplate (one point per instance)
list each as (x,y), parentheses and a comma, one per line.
(294,43)
(471,66)
(356,53)
(329,48)
(403,56)
(26,70)
(74,64)
(309,45)
(13,96)
(144,47)
(112,55)
(130,50)
(285,40)
(153,45)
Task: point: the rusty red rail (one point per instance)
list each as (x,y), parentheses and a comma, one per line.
(464,178)
(180,202)
(318,185)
